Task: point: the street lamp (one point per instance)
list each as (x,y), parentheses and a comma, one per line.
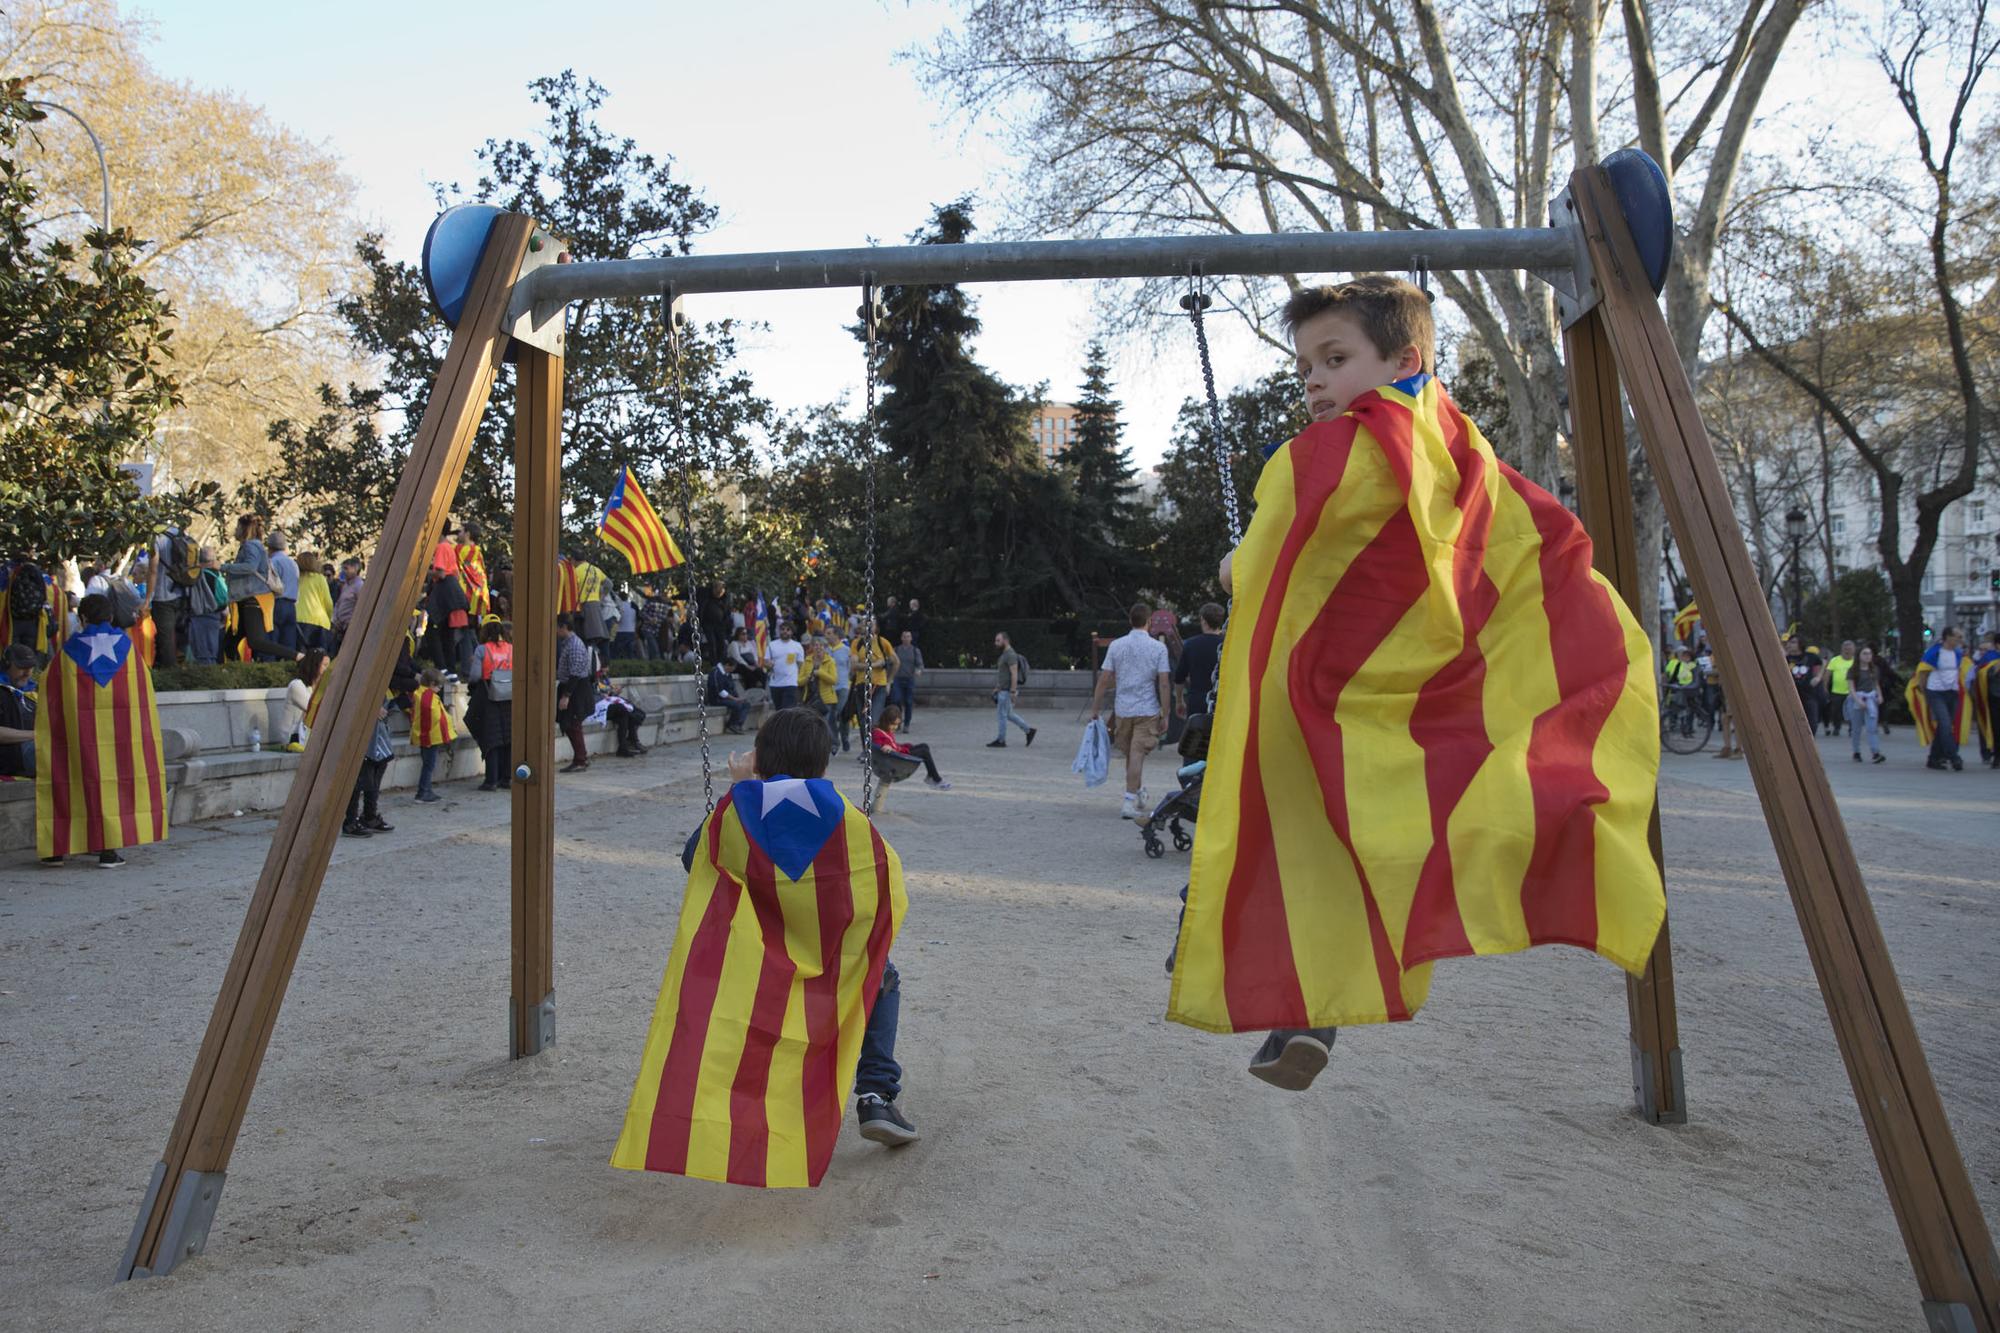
(103,171)
(1795,528)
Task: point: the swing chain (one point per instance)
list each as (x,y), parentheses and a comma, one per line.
(1195,302)
(674,336)
(869,315)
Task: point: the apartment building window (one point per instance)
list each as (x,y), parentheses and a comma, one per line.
(1979,515)
(1839,526)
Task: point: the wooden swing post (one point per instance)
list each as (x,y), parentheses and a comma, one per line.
(1943,1229)
(538,394)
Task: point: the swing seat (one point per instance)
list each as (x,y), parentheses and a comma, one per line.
(893,768)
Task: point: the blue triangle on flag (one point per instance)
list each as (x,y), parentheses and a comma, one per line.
(99,652)
(789,818)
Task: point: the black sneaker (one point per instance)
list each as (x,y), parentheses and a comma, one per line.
(377,824)
(353,829)
(1857,756)
(109,861)
(881,1122)
(52,862)
(996,745)
(487,786)
(1957,764)
(1291,1058)
(1031,736)
(1881,758)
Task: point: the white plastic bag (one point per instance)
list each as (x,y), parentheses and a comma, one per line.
(1093,756)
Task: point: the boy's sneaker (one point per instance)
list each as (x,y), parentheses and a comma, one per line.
(996,745)
(1031,736)
(881,1122)
(1131,807)
(1291,1058)
(52,863)
(109,861)
(938,783)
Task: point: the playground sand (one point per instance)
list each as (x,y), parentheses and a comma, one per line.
(1084,1164)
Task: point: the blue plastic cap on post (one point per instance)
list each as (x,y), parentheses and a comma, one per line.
(452,248)
(1641,189)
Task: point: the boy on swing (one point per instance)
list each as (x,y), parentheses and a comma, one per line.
(1436,732)
(779,993)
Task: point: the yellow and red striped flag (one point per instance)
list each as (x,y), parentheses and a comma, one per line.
(472,574)
(1685,620)
(1984,677)
(791,905)
(569,596)
(1918,698)
(100,771)
(430,720)
(1436,733)
(629,523)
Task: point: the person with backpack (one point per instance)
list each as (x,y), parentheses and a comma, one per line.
(206,601)
(176,566)
(493,704)
(253,592)
(1010,674)
(28,600)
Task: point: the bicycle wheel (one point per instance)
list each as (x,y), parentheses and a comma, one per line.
(1686,730)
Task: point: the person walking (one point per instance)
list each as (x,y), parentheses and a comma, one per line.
(1862,699)
(783,659)
(1943,693)
(843,680)
(1009,672)
(909,665)
(1807,673)
(576,677)
(1201,658)
(871,655)
(818,682)
(1139,675)
(490,716)
(1837,668)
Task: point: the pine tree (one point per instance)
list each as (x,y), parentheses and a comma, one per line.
(1107,543)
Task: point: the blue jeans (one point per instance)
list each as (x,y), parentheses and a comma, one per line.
(1003,707)
(431,753)
(784,696)
(205,639)
(1860,713)
(903,694)
(285,621)
(878,1071)
(1944,711)
(311,636)
(624,645)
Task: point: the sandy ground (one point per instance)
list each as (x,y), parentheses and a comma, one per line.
(1084,1164)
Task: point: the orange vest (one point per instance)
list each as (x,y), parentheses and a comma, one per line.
(498,655)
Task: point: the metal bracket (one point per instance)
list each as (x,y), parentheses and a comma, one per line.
(1576,289)
(538,323)
(1642,1087)
(543,1019)
(186,1232)
(1948,1317)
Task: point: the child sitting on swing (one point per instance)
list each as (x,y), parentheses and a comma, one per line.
(885,739)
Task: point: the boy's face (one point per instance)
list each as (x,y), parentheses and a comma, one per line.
(1338,363)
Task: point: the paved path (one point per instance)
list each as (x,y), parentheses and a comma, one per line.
(1084,1164)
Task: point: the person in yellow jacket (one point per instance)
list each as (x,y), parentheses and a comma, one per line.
(871,657)
(821,683)
(315,609)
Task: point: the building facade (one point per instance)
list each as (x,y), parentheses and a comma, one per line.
(1052,428)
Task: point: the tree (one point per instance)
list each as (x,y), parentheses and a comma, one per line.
(608,200)
(1106,547)
(1194,534)
(1864,313)
(83,373)
(977,524)
(818,479)
(250,229)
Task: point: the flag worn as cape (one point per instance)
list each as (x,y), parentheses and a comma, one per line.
(100,771)
(472,576)
(232,623)
(791,905)
(629,524)
(1962,705)
(430,721)
(1985,680)
(1436,732)
(1685,620)
(569,597)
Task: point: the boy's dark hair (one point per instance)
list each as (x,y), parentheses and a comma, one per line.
(889,722)
(94,609)
(1213,614)
(1140,614)
(430,677)
(498,630)
(793,743)
(1393,313)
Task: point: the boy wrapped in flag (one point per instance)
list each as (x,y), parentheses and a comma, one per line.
(779,984)
(1436,732)
(100,770)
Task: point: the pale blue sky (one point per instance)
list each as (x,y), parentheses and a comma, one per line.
(795,119)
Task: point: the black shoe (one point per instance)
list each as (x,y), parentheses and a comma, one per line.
(996,745)
(575,766)
(354,830)
(1934,763)
(109,860)
(427,797)
(881,1122)
(1881,758)
(1291,1058)
(377,824)
(1031,737)
(51,862)
(487,786)
(1957,764)
(1857,756)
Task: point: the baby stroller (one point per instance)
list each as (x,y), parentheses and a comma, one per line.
(1186,802)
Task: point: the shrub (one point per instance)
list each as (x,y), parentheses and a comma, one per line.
(228,676)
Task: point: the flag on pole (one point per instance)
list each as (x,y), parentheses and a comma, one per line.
(757,620)
(1684,622)
(629,523)
(790,908)
(100,771)
(1436,733)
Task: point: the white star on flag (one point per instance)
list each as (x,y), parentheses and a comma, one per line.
(788,790)
(103,645)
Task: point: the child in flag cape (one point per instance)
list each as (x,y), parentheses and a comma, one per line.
(430,730)
(100,770)
(1436,732)
(779,993)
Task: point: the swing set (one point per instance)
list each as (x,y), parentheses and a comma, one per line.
(504,284)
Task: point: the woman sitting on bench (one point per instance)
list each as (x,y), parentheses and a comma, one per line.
(885,740)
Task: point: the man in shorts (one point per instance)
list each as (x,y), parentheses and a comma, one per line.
(1137,669)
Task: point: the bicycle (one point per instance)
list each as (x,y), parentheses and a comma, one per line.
(1685,722)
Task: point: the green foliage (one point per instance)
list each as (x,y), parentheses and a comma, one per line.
(227,676)
(1473,380)
(83,375)
(811,503)
(1106,536)
(1049,645)
(1867,610)
(1194,534)
(608,200)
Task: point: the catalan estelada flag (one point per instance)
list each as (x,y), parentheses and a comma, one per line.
(1917,696)
(1436,732)
(791,905)
(1685,620)
(430,720)
(569,597)
(629,523)
(1985,681)
(100,771)
(472,574)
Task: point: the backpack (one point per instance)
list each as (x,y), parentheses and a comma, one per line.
(499,679)
(1021,665)
(183,560)
(27,597)
(202,598)
(125,604)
